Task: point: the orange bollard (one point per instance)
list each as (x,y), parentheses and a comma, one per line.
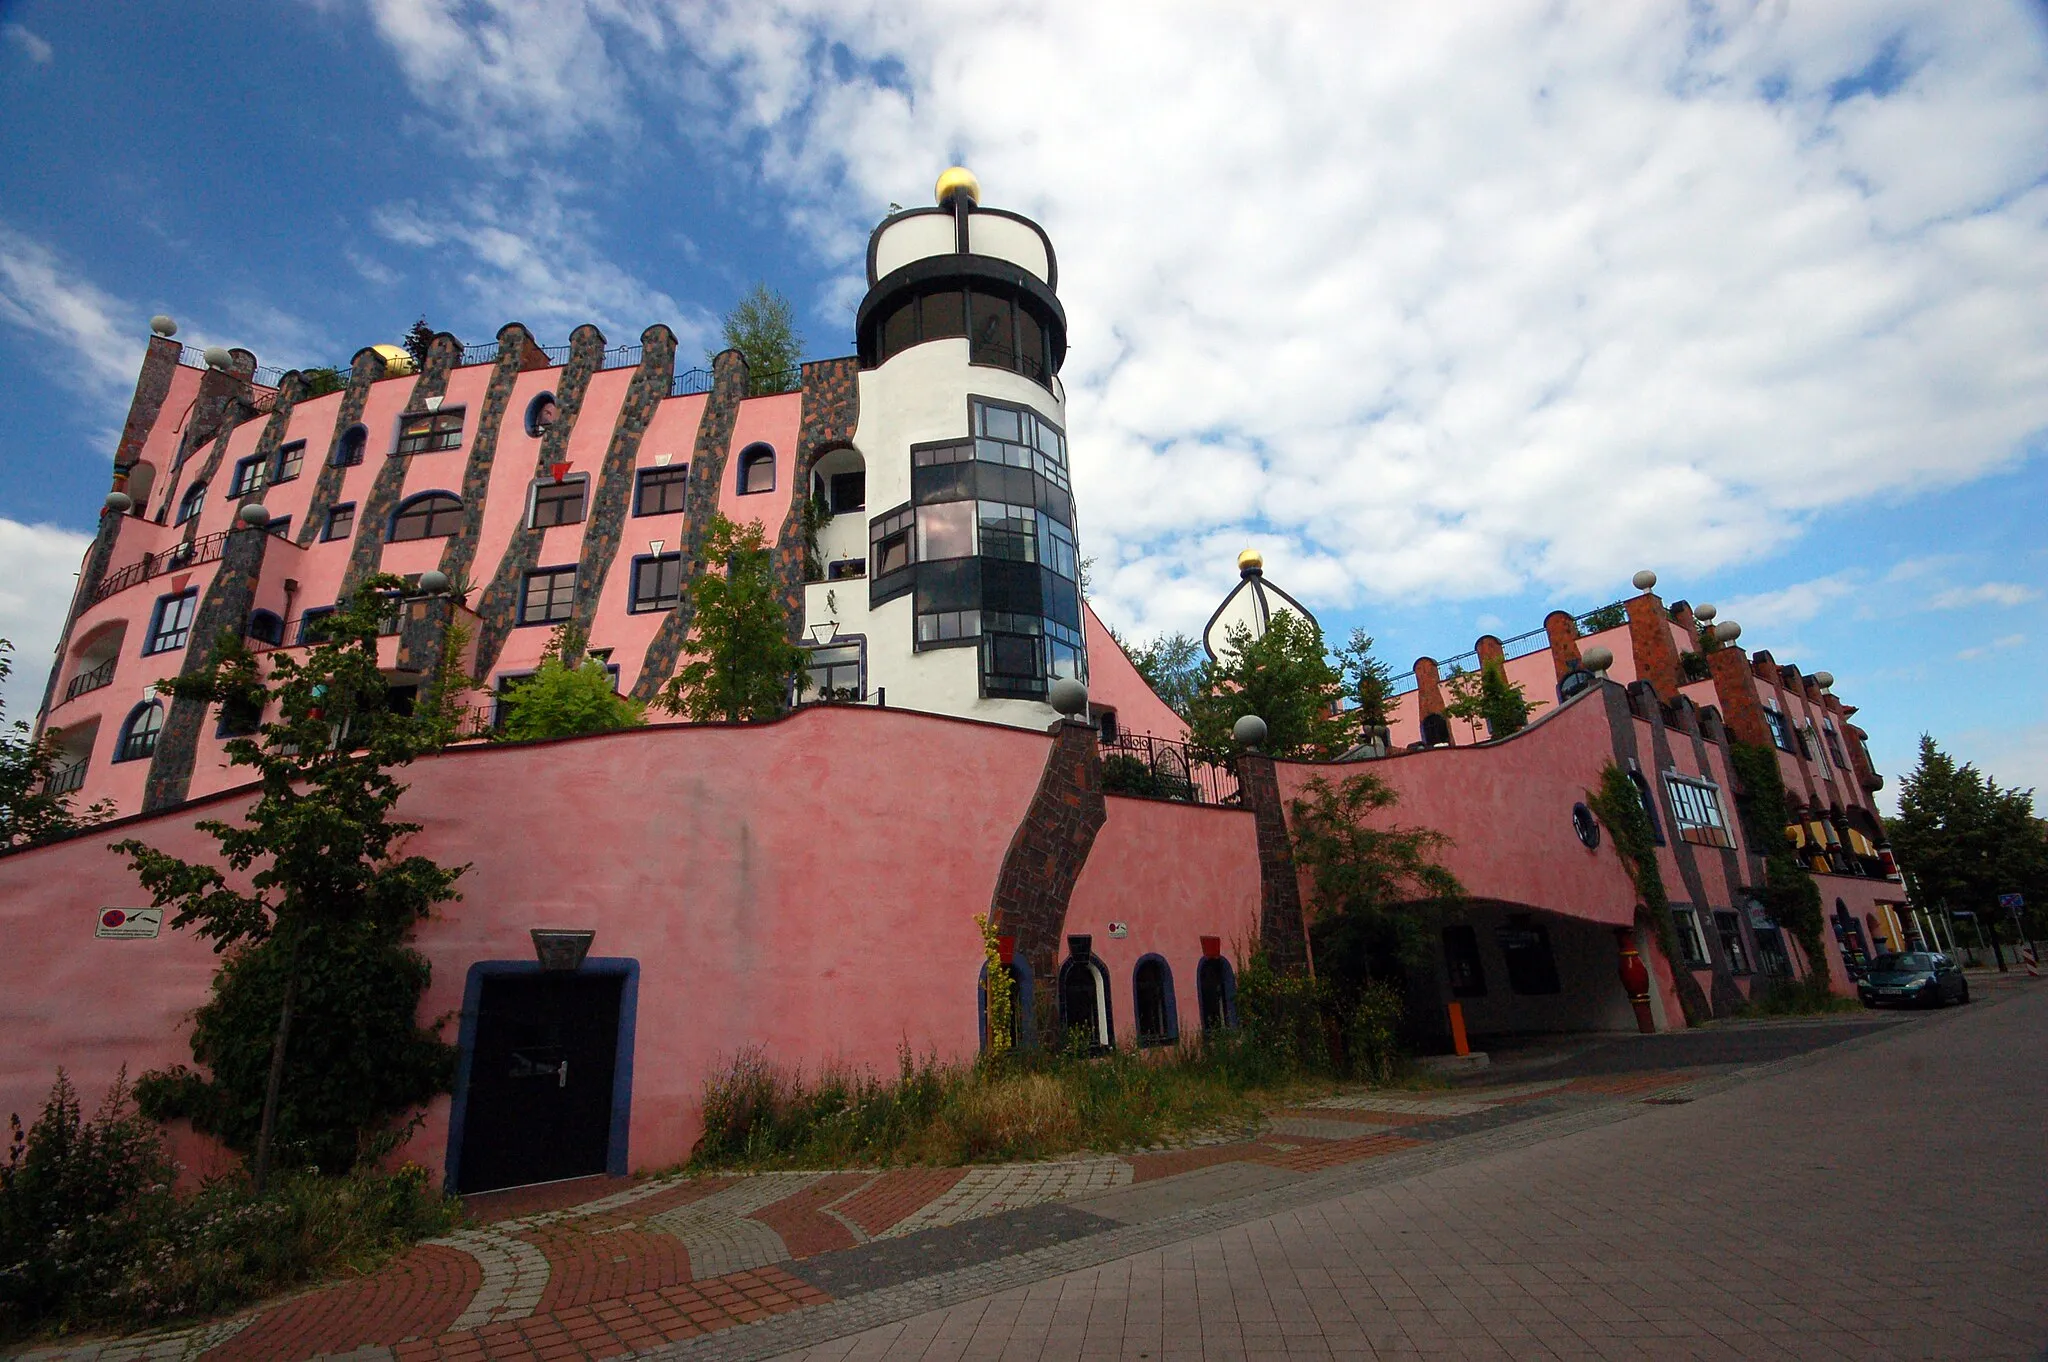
(1458,1042)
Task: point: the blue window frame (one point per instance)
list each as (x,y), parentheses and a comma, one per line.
(349,452)
(1153,1002)
(190,505)
(266,627)
(341,522)
(170,624)
(310,623)
(290,459)
(251,474)
(139,732)
(661,491)
(756,470)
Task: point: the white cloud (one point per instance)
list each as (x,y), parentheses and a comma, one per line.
(38,569)
(1794,604)
(43,294)
(36,48)
(1997,645)
(1428,300)
(1984,593)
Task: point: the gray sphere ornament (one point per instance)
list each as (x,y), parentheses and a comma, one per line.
(1826,680)
(120,503)
(163,326)
(1644,580)
(1704,613)
(1069,697)
(1727,631)
(1597,660)
(255,513)
(433,581)
(217,357)
(1249,731)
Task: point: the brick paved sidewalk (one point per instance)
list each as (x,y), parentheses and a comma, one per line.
(609,1267)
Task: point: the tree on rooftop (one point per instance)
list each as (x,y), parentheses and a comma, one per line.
(29,814)
(1283,677)
(1367,679)
(742,664)
(762,327)
(310,1038)
(1488,695)
(560,701)
(1171,665)
(418,341)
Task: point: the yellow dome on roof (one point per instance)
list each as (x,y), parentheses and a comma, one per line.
(396,360)
(958,180)
(1252,559)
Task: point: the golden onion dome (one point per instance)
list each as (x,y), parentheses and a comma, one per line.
(1251,560)
(396,360)
(958,180)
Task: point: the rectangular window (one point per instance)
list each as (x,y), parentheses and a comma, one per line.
(1532,969)
(1729,928)
(281,526)
(1009,531)
(945,531)
(846,569)
(1696,805)
(992,334)
(1060,554)
(1770,951)
(1834,741)
(502,688)
(1781,732)
(550,596)
(341,522)
(290,458)
(657,582)
(250,476)
(427,432)
(945,314)
(313,624)
(1461,962)
(846,492)
(1691,945)
(946,626)
(889,541)
(171,625)
(1810,745)
(834,672)
(660,491)
(558,503)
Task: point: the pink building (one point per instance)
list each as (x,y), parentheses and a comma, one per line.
(810,885)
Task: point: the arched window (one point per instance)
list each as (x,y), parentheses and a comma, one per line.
(541,413)
(1084,997)
(1436,730)
(1152,998)
(1216,985)
(757,470)
(190,504)
(266,627)
(349,452)
(430,515)
(1649,805)
(1020,1004)
(139,732)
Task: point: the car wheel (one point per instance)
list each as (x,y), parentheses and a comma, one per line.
(1964,996)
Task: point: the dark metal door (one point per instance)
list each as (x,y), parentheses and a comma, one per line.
(540,1079)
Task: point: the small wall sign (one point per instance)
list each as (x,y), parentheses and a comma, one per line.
(129,924)
(1119,930)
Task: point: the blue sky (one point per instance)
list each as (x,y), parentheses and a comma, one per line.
(1459,318)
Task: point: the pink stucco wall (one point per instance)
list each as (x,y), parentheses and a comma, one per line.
(1113,683)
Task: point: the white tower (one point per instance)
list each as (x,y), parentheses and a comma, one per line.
(969,597)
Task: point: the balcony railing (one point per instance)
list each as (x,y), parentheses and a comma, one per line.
(102,675)
(689,382)
(205,549)
(1161,768)
(65,779)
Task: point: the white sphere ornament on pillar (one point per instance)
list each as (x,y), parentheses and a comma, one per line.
(1727,631)
(255,513)
(433,581)
(1826,680)
(217,357)
(1249,731)
(1069,697)
(120,503)
(163,326)
(1704,613)
(1597,660)
(1644,580)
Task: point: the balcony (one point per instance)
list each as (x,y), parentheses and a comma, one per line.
(65,780)
(206,549)
(1160,768)
(102,675)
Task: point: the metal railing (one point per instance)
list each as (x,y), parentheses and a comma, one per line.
(65,780)
(1537,640)
(206,549)
(1163,768)
(690,382)
(102,675)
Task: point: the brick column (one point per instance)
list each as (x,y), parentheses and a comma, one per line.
(152,387)
(1742,710)
(387,489)
(1429,695)
(1649,635)
(1050,847)
(831,413)
(1562,628)
(224,607)
(1491,652)
(1283,932)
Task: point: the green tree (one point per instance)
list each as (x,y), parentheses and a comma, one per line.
(418,341)
(1366,678)
(743,665)
(560,701)
(1376,889)
(1283,677)
(310,1034)
(762,327)
(1488,695)
(1171,665)
(29,814)
(1607,617)
(1965,839)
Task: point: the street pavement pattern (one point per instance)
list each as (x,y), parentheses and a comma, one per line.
(1691,1210)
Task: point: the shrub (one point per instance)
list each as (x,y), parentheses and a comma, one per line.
(1797,997)
(559,701)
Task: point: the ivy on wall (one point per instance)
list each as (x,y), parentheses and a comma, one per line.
(1619,807)
(1789,891)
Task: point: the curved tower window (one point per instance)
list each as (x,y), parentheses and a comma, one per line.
(349,452)
(431,515)
(139,732)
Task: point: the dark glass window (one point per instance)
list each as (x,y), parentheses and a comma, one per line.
(991,330)
(1216,991)
(657,582)
(899,332)
(1009,531)
(541,413)
(266,627)
(945,626)
(661,491)
(139,734)
(250,476)
(1691,945)
(1781,732)
(432,515)
(290,459)
(1697,807)
(1531,966)
(1151,997)
(757,470)
(349,452)
(1729,928)
(313,624)
(550,596)
(171,624)
(1030,346)
(889,541)
(279,525)
(834,671)
(341,522)
(945,531)
(846,491)
(1649,806)
(944,314)
(427,432)
(558,503)
(1462,964)
(190,505)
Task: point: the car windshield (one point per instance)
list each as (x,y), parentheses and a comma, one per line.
(1910,963)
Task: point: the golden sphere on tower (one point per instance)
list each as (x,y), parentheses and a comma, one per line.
(396,361)
(1251,559)
(958,180)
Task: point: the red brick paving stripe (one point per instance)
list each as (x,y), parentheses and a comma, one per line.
(415,1296)
(584,1268)
(1312,1155)
(482,1208)
(800,1220)
(1146,1167)
(895,1194)
(1624,1085)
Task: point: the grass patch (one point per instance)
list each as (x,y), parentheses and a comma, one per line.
(93,1233)
(1807,997)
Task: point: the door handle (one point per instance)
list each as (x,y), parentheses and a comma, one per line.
(562,1075)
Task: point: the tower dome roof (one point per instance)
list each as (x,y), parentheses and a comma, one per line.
(1251,605)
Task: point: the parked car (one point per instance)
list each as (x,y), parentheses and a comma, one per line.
(1922,977)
